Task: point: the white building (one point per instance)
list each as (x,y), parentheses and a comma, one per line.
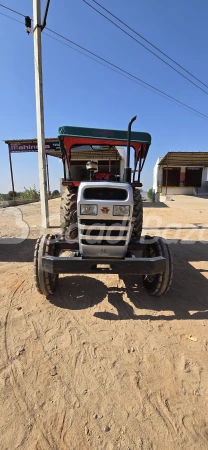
(181,173)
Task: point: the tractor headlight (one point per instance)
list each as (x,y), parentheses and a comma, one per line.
(121,210)
(90,210)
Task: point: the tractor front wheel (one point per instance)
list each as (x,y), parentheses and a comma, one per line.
(45,282)
(160,283)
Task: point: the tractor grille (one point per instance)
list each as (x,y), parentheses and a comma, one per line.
(103,242)
(103,193)
(113,232)
(104,232)
(89,222)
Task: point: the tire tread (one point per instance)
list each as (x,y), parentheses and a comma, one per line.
(137,216)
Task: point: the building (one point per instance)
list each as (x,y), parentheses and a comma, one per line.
(181,173)
(108,159)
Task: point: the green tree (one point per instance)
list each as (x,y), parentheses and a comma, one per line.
(149,194)
(3,197)
(30,194)
(55,193)
(10,195)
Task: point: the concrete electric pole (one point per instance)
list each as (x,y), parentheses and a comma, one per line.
(40,112)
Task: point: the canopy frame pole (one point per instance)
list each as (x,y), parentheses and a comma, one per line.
(11,173)
(167,174)
(48,179)
(109,159)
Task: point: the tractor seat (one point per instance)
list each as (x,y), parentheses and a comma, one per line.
(107,176)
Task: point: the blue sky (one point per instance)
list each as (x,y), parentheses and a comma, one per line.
(78,91)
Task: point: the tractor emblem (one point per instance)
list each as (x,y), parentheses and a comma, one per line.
(105,210)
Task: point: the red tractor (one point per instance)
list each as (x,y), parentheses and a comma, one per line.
(102,214)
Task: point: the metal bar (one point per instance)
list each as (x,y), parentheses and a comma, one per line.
(64,167)
(135,166)
(167,175)
(103,227)
(88,237)
(74,245)
(133,266)
(140,163)
(127,170)
(11,172)
(110,159)
(45,15)
(129,140)
(48,180)
(144,159)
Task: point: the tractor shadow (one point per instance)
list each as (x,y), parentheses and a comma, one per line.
(187,294)
(187,298)
(76,292)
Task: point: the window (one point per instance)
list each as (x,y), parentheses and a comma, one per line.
(173,178)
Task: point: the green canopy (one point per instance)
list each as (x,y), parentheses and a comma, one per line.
(95,133)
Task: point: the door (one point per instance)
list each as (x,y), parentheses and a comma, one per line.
(173,176)
(193,176)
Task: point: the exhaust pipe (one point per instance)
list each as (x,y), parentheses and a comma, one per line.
(127,170)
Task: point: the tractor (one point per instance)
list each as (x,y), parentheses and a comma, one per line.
(101,214)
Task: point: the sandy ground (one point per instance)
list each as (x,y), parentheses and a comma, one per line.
(100,364)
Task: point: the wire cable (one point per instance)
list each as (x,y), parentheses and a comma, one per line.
(150,43)
(13,10)
(140,43)
(121,74)
(125,71)
(122,71)
(12,18)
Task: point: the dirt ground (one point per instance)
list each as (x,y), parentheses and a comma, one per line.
(101,365)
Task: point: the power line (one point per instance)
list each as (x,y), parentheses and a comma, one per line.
(10,9)
(121,74)
(142,37)
(126,74)
(12,18)
(98,62)
(124,71)
(150,43)
(146,48)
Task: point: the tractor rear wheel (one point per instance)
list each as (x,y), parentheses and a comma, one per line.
(45,282)
(137,216)
(160,283)
(68,212)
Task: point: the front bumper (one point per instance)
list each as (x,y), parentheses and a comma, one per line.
(75,264)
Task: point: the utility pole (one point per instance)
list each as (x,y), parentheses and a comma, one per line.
(40,112)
